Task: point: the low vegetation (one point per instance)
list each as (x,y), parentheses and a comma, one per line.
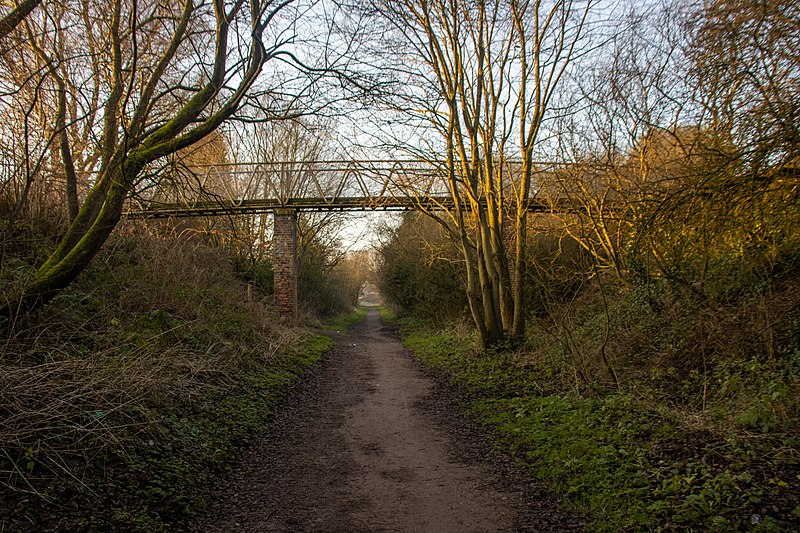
(342,322)
(623,459)
(125,398)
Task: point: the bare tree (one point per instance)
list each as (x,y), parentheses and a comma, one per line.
(688,142)
(745,60)
(630,143)
(154,102)
(484,76)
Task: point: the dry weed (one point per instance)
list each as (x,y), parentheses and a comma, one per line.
(157,326)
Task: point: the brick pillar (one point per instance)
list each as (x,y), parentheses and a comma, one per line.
(284,261)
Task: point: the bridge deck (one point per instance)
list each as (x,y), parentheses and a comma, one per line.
(350,203)
(353,203)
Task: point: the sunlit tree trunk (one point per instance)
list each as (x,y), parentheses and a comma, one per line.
(491,68)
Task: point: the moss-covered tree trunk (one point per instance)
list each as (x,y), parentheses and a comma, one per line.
(68,262)
(131,140)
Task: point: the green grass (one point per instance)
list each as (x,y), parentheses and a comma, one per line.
(387,315)
(343,322)
(165,462)
(175,465)
(595,454)
(612,458)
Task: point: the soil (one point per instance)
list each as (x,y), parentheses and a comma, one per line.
(370,442)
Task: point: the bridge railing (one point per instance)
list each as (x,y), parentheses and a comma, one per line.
(305,185)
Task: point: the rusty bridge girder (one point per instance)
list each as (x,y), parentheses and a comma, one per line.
(305,185)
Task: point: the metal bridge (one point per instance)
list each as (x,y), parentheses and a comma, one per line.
(286,187)
(345,185)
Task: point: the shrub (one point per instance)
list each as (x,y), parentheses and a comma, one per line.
(420,271)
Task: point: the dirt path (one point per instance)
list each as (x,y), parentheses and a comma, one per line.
(369,443)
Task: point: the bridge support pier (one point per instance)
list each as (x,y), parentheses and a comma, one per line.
(284,259)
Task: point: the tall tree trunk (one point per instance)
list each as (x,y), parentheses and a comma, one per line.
(489,285)
(473,291)
(499,258)
(66,264)
(520,272)
(66,153)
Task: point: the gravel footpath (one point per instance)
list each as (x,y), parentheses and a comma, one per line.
(371,442)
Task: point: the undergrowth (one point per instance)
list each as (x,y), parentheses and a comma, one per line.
(126,397)
(625,458)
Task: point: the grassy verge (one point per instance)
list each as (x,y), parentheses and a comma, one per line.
(343,322)
(125,398)
(622,462)
(387,315)
(174,469)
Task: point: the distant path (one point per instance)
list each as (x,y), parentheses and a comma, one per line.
(369,443)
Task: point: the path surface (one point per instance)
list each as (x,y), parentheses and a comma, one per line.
(370,443)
